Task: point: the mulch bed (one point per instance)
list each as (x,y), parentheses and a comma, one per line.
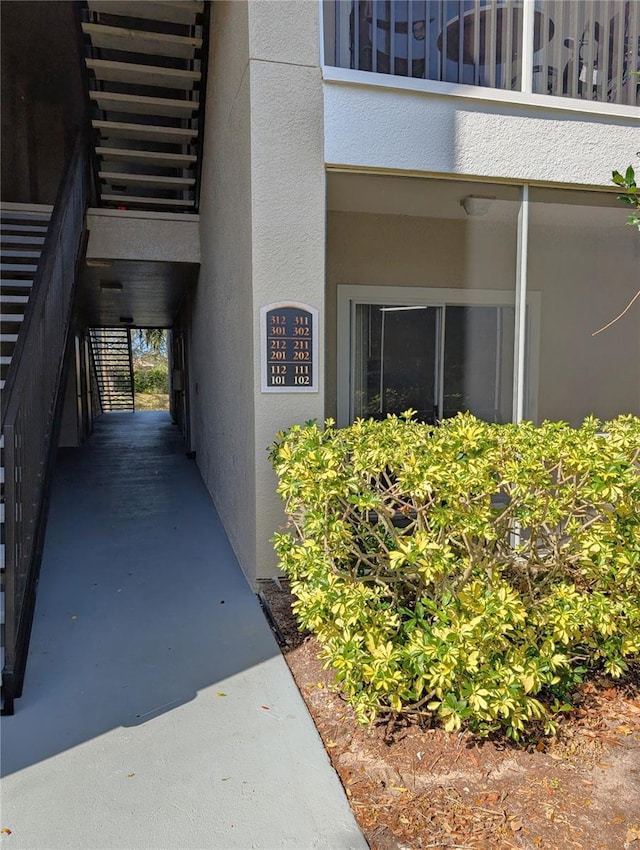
(413,788)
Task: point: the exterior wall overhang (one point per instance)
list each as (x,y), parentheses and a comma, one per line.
(381,123)
(143,235)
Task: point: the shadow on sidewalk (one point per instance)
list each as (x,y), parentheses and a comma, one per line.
(141,602)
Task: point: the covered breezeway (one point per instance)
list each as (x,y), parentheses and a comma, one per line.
(157,711)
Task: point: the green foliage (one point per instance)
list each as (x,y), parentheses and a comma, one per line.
(145,340)
(627,181)
(472,572)
(150,364)
(154,380)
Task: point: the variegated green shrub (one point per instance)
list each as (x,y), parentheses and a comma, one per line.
(471,572)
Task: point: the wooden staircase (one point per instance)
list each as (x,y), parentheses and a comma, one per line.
(145,64)
(111,348)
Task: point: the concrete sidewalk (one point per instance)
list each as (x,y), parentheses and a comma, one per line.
(157,709)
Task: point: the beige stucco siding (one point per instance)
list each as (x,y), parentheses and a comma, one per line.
(288,216)
(221,344)
(401,130)
(262,236)
(586,277)
(129,235)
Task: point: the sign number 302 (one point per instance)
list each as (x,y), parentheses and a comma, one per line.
(289,343)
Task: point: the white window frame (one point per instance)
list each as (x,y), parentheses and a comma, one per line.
(525,378)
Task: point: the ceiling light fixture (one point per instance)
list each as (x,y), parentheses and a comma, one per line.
(96,263)
(110,286)
(126,320)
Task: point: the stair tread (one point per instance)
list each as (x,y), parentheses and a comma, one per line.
(141,41)
(18,267)
(171,160)
(16,282)
(140,105)
(183,11)
(119,129)
(147,179)
(17,229)
(18,239)
(13,299)
(155,202)
(147,75)
(27,254)
(38,212)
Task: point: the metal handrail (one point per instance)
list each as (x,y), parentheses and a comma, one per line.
(32,390)
(587,49)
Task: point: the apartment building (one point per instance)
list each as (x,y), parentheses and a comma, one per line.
(339,209)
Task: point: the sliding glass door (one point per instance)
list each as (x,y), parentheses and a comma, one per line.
(435,358)
(395,360)
(478,361)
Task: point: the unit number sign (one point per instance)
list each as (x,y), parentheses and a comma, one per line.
(289,337)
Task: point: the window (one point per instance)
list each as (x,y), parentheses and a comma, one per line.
(436,351)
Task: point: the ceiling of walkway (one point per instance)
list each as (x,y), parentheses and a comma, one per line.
(149,293)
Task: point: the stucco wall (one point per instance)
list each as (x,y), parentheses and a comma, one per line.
(262,238)
(585,276)
(128,235)
(288,215)
(382,128)
(220,342)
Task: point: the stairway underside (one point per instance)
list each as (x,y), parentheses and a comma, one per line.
(145,70)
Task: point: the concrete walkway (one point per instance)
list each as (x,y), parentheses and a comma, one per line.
(157,709)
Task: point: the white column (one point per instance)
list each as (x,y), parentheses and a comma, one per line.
(528,21)
(519,352)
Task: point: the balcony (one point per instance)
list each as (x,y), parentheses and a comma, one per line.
(584,49)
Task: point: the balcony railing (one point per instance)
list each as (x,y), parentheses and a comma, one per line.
(587,49)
